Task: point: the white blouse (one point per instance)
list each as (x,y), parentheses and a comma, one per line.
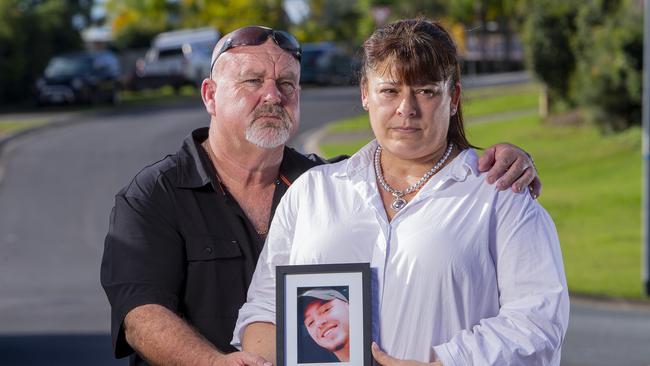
(466,274)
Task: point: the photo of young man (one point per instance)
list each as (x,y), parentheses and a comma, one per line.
(324,323)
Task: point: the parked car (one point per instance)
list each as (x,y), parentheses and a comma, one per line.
(80,77)
(177,58)
(326,63)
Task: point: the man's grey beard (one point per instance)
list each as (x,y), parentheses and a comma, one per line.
(269,135)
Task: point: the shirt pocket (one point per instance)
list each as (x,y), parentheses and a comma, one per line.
(216,274)
(207,248)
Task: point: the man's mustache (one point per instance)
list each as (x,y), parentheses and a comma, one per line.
(272,110)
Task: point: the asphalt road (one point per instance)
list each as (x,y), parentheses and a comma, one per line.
(55,199)
(607,334)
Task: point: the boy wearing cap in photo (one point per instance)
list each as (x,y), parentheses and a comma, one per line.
(326,317)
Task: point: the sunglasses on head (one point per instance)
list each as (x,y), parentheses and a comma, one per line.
(256,35)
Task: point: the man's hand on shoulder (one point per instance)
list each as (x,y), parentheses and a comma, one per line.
(241,359)
(510,166)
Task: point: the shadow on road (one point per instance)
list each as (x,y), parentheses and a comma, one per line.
(55,350)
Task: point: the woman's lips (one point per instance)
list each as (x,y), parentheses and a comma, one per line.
(405,129)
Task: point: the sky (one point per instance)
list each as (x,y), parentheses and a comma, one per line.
(296,9)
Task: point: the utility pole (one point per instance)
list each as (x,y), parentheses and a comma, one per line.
(645,252)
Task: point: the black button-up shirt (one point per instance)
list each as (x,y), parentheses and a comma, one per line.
(178,239)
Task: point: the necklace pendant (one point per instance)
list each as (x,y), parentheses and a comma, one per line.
(398,196)
(398,203)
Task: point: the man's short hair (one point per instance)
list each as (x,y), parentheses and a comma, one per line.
(322,294)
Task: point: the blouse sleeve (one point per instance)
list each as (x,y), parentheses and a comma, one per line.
(534,304)
(260,301)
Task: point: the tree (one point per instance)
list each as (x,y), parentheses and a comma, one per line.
(30,33)
(331,20)
(548,33)
(135,22)
(609,58)
(589,54)
(227,15)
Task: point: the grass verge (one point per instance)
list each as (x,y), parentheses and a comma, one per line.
(128,98)
(13,126)
(163,94)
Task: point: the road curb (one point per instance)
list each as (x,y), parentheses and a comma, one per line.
(607,302)
(313,139)
(6,141)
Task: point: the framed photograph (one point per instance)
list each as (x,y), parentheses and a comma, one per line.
(323,314)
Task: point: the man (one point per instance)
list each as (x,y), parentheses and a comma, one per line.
(186,233)
(326,317)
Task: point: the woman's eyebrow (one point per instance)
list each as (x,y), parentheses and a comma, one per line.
(389,82)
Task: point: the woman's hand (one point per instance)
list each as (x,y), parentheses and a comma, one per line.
(510,166)
(242,359)
(385,360)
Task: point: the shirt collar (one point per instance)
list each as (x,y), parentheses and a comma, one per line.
(459,169)
(463,165)
(195,169)
(361,161)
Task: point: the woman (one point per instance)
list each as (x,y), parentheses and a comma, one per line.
(467,275)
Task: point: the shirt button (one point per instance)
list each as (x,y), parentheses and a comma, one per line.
(208,250)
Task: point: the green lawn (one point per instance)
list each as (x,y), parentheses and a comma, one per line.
(504,99)
(592,189)
(163,94)
(7,127)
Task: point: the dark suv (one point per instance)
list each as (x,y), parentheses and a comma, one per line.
(325,63)
(81,77)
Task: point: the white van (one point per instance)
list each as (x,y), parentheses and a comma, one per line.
(177,58)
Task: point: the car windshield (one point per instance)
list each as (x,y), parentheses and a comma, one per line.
(170,52)
(68,66)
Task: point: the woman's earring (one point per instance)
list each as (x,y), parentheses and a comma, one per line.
(365,107)
(453,111)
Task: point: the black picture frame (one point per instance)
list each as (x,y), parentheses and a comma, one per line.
(298,284)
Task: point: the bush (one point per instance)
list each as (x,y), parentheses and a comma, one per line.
(609,53)
(30,33)
(589,54)
(548,30)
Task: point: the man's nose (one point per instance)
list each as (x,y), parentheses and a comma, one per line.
(320,321)
(272,94)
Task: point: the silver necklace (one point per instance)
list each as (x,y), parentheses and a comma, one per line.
(398,195)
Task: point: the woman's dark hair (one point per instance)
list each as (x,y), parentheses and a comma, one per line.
(422,52)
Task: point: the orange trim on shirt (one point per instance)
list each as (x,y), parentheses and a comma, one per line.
(285,180)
